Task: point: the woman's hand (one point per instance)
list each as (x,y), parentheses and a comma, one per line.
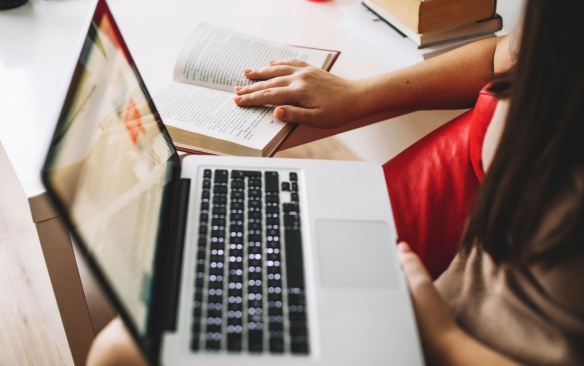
(304,94)
(435,323)
(444,342)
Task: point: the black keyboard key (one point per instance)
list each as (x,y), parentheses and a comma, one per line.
(291,221)
(233,339)
(299,331)
(256,183)
(252,173)
(203,229)
(246,173)
(254,204)
(272,181)
(294,263)
(221,176)
(212,344)
(254,193)
(272,200)
(272,221)
(218,221)
(255,337)
(299,347)
(195,340)
(219,211)
(290,207)
(219,200)
(277,345)
(237,174)
(220,189)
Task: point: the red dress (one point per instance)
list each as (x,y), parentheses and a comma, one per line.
(432,184)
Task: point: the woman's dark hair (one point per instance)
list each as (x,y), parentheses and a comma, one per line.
(540,157)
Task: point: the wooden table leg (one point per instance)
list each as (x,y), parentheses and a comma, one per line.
(67,286)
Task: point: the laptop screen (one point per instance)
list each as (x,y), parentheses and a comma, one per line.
(109,163)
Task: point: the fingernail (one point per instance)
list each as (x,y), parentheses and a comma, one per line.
(237,88)
(403,247)
(247,71)
(280,113)
(237,99)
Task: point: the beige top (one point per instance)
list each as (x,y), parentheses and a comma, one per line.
(533,314)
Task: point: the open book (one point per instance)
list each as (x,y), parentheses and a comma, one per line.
(197,106)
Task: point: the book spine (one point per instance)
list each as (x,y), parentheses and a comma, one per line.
(443,14)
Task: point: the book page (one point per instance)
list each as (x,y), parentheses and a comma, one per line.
(212,113)
(215,58)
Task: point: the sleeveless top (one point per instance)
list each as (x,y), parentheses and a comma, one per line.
(533,314)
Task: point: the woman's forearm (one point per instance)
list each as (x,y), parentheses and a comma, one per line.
(448,81)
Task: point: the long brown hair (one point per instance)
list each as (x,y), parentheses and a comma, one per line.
(541,153)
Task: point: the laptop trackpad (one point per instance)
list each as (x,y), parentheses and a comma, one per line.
(356,254)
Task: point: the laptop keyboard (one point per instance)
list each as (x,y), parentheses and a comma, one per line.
(249,275)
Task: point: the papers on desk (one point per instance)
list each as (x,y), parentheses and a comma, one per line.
(375,33)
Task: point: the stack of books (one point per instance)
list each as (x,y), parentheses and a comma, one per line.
(433,22)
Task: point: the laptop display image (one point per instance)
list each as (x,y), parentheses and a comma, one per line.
(223,260)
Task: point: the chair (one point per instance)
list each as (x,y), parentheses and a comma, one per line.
(432,183)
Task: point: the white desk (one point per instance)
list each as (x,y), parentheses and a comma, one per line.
(37,53)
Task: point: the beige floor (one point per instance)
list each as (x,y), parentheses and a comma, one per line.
(25,338)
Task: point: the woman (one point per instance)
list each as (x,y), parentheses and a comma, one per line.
(515,291)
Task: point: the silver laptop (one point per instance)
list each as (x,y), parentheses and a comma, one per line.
(223,260)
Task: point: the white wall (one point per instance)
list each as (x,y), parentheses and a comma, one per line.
(382,141)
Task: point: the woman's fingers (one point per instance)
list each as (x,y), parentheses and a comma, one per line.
(416,273)
(433,315)
(290,62)
(275,96)
(261,85)
(292,114)
(269,72)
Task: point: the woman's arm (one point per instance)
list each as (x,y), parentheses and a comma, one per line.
(314,97)
(444,342)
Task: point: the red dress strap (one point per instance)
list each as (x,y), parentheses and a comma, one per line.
(482,114)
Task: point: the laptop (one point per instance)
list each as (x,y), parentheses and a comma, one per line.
(214,260)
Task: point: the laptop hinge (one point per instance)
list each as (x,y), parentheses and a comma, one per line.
(174,256)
